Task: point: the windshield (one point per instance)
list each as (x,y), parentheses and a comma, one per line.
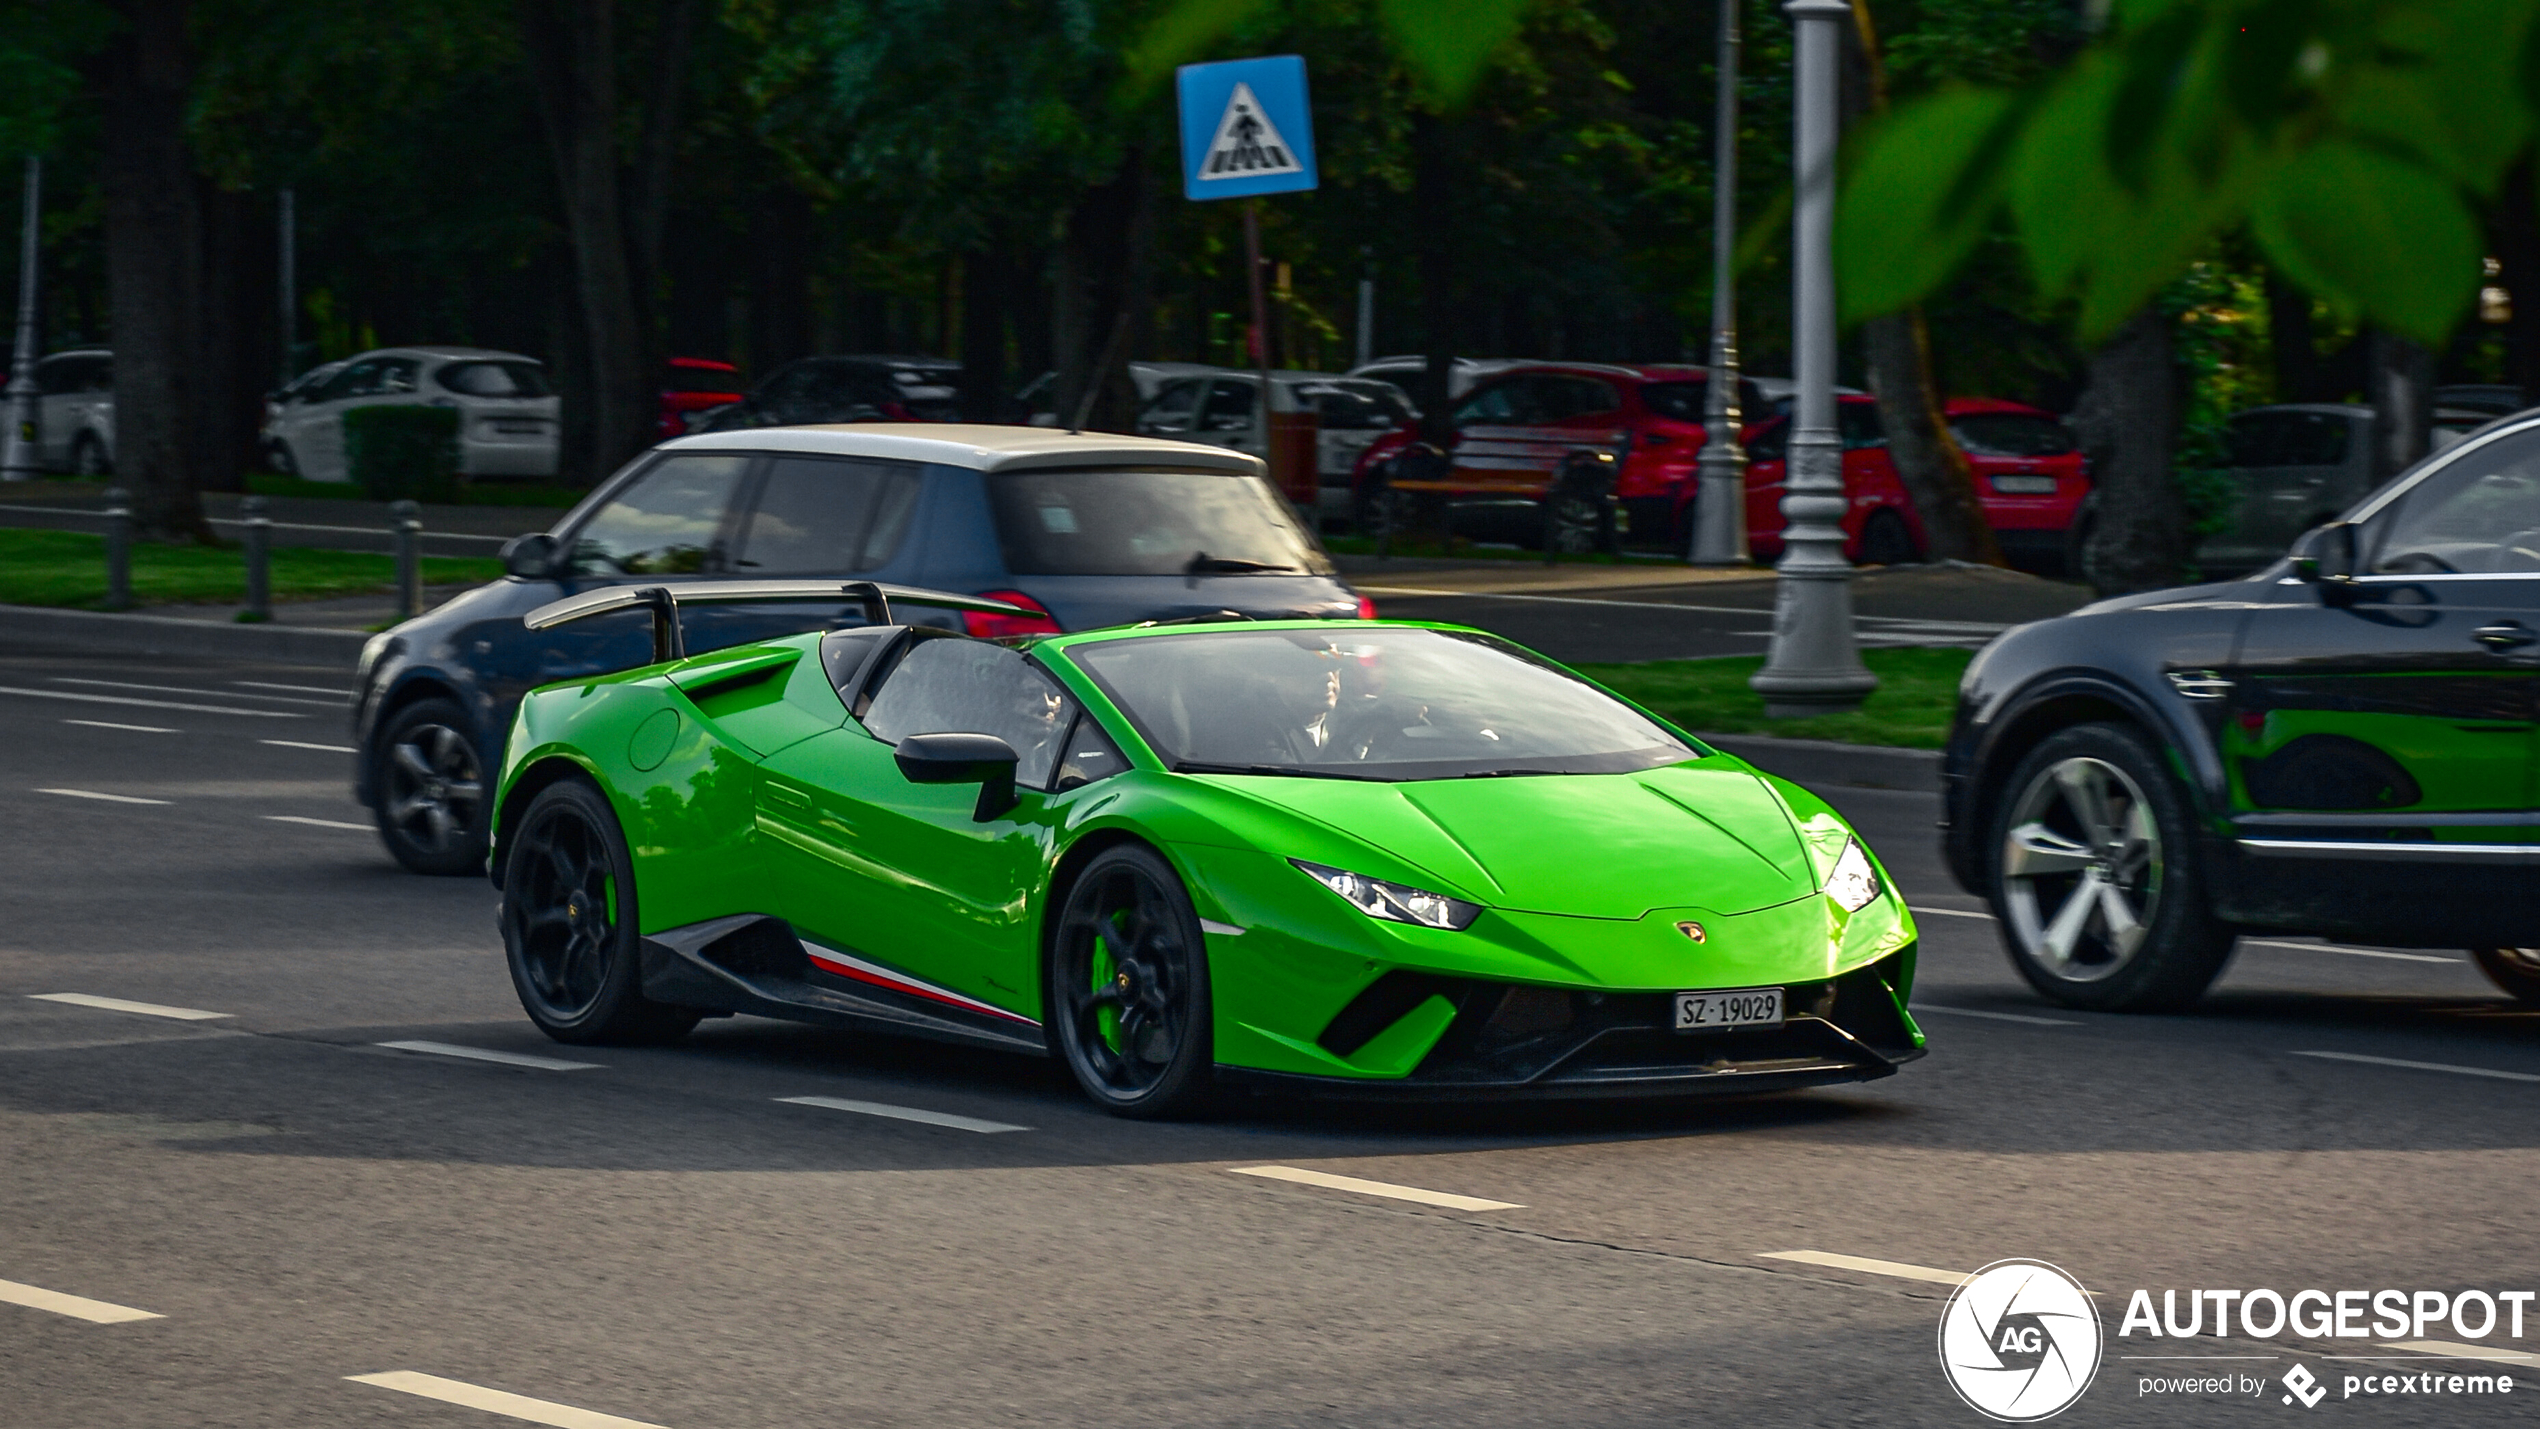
(2010,434)
(494,379)
(1148,523)
(1370,703)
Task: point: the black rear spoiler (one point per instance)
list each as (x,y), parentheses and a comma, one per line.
(664,602)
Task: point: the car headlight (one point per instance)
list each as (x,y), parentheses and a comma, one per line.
(1854,883)
(1393,902)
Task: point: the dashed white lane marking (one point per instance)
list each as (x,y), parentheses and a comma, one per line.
(318,823)
(2349,952)
(102,798)
(904,1113)
(1868,1266)
(304,744)
(117,1004)
(96,1312)
(495,1401)
(1386,1189)
(296,689)
(2456,1350)
(181,690)
(480,1054)
(1923,1007)
(1946,913)
(149,704)
(2423,1066)
(135,728)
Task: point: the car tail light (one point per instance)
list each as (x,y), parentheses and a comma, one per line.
(1366,608)
(998,627)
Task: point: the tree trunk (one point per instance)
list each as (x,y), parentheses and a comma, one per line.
(2516,236)
(2293,340)
(1432,190)
(2128,421)
(1927,458)
(572,50)
(238,337)
(154,267)
(1103,270)
(779,261)
(2402,395)
(987,290)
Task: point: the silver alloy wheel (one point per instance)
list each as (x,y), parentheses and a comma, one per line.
(2081,869)
(434,787)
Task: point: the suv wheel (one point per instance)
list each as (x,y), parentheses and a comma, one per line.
(431,790)
(2514,971)
(1887,541)
(2094,876)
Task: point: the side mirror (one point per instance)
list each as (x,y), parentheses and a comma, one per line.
(2326,555)
(532,557)
(981,759)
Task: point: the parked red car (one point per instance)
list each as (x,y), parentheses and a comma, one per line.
(695,384)
(1513,429)
(2029,472)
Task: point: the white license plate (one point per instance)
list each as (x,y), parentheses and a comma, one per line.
(1746,1007)
(2025,485)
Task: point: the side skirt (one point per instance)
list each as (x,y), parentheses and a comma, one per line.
(754,963)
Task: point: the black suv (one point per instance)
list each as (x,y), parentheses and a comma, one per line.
(2342,744)
(844,389)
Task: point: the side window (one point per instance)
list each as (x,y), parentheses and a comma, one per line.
(1772,443)
(1859,424)
(58,375)
(359,380)
(1089,755)
(1568,397)
(1172,409)
(2256,439)
(2317,439)
(101,378)
(1499,404)
(815,516)
(1229,407)
(397,374)
(2480,515)
(664,524)
(961,686)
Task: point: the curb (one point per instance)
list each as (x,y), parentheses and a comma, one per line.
(1823,761)
(121,634)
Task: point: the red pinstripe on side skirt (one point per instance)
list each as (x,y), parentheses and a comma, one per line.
(830,960)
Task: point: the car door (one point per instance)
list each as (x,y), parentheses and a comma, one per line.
(1500,441)
(1767,482)
(1174,411)
(2390,723)
(58,384)
(1229,416)
(317,426)
(903,874)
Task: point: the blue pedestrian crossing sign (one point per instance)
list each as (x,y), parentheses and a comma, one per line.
(1246,128)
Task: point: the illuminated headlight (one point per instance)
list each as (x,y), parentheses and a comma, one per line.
(1854,883)
(1393,902)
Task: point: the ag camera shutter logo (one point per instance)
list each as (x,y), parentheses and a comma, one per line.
(2020,1341)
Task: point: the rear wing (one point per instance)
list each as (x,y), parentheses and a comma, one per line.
(664,602)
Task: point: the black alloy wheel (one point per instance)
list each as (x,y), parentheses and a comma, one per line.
(1887,541)
(283,462)
(430,788)
(2514,971)
(569,924)
(1578,512)
(1128,1001)
(88,458)
(2094,876)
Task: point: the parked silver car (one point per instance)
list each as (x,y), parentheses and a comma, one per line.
(2297,465)
(507,413)
(75,411)
(1221,407)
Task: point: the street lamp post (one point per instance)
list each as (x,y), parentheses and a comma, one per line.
(1719,500)
(19,458)
(1815,666)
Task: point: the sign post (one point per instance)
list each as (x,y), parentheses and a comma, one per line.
(1248,130)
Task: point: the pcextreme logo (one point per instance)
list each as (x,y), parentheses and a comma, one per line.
(2020,1341)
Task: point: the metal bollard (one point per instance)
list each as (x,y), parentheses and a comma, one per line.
(118,548)
(404,518)
(258,546)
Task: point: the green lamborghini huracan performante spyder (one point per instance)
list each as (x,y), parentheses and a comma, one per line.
(1338,857)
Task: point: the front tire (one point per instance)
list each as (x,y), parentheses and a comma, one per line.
(1887,541)
(2093,875)
(88,458)
(1128,997)
(2514,971)
(569,925)
(430,786)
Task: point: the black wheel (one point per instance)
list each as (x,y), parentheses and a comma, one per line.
(1578,511)
(1887,541)
(431,791)
(2514,971)
(569,924)
(2094,876)
(283,462)
(1128,1001)
(88,457)
(2077,544)
(1378,511)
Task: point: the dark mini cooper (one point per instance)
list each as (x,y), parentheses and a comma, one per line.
(2342,745)
(1076,531)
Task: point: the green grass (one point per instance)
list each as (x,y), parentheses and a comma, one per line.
(485,493)
(1917,694)
(69,568)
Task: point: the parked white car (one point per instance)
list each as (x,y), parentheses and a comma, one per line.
(75,411)
(508,418)
(1219,407)
(1408,370)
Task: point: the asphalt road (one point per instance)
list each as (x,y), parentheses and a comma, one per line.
(658,1236)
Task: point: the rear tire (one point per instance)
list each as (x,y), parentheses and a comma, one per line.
(88,457)
(1128,997)
(1887,541)
(2092,872)
(2514,971)
(569,925)
(430,787)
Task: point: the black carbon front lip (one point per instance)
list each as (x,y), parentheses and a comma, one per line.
(1753,1077)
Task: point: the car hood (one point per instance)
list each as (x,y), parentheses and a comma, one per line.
(1709,833)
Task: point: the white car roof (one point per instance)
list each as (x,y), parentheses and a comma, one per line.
(437,352)
(980,448)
